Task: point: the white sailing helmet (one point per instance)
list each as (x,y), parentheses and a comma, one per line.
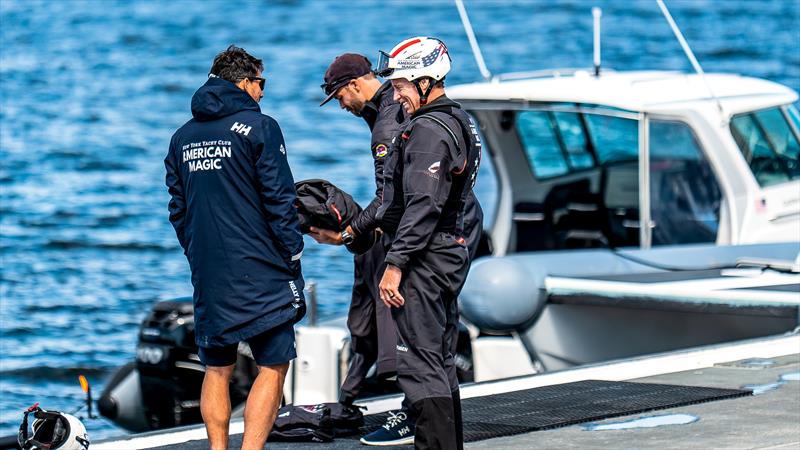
(52,430)
(415,58)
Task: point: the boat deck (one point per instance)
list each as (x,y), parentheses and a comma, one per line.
(770,418)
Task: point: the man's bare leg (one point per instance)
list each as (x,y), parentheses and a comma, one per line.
(262,405)
(215,405)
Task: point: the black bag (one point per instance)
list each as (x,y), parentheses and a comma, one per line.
(346,419)
(310,423)
(321,204)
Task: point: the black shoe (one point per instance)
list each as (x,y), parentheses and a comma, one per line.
(398,430)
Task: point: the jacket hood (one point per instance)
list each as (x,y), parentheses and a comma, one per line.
(220,98)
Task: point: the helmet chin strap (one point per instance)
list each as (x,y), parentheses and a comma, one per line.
(423,96)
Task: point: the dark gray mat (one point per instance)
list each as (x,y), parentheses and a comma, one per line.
(537,409)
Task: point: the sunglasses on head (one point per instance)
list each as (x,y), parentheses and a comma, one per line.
(334,86)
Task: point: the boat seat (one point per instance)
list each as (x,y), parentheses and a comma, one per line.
(533,229)
(577,215)
(620,193)
(623,225)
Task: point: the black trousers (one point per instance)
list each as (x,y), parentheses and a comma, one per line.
(427,327)
(372,330)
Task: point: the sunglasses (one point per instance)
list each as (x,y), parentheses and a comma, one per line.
(383,70)
(261,81)
(334,86)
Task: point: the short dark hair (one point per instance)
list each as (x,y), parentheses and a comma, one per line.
(235,64)
(436,83)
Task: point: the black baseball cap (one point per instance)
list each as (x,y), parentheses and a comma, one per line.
(344,68)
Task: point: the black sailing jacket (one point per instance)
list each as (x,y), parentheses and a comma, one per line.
(232,206)
(385,119)
(428,180)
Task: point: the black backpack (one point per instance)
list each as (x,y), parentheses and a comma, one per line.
(315,423)
(312,423)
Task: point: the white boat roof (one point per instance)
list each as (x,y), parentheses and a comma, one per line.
(633,90)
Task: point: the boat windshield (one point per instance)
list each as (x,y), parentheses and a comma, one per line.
(584,184)
(769,143)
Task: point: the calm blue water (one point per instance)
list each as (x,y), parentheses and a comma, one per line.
(92,90)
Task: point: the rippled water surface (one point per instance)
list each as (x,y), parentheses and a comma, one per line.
(92,90)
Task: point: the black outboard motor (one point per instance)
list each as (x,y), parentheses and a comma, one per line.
(170,375)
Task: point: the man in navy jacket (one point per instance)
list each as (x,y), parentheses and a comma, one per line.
(232,206)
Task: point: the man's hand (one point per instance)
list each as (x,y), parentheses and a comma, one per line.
(324,236)
(389,287)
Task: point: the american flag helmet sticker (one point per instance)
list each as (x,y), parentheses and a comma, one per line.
(432,56)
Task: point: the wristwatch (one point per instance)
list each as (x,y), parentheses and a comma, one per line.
(347,238)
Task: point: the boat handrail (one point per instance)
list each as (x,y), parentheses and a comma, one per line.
(473,42)
(779,265)
(692,59)
(546,73)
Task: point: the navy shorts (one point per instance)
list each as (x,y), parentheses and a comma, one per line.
(270,348)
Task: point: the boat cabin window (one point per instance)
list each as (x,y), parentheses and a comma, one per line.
(570,127)
(555,143)
(615,139)
(538,137)
(685,197)
(769,144)
(585,190)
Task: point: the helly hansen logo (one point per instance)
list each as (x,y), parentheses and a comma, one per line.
(402,348)
(241,128)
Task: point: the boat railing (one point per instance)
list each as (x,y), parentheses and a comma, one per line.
(547,73)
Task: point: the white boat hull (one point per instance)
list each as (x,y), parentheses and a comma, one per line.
(569,335)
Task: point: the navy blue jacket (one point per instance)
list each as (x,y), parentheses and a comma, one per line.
(232,206)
